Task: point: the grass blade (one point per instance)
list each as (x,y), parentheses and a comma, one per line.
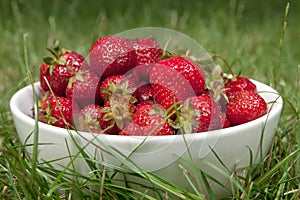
(35,108)
(274,169)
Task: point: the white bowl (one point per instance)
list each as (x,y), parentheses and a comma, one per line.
(158,154)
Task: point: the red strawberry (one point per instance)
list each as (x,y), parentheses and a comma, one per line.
(178,78)
(224,120)
(148,52)
(146,102)
(146,121)
(134,76)
(83,88)
(144,92)
(245,107)
(88,119)
(60,69)
(117,85)
(44,74)
(221,101)
(116,114)
(58,111)
(111,55)
(166,98)
(237,84)
(200,114)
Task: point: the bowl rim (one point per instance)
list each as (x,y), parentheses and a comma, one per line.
(274,111)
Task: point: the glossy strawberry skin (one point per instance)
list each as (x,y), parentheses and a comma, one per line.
(166,98)
(148,53)
(144,92)
(238,84)
(245,107)
(134,76)
(58,111)
(187,69)
(147,50)
(145,124)
(60,78)
(225,121)
(44,74)
(59,73)
(84,90)
(145,102)
(111,55)
(178,77)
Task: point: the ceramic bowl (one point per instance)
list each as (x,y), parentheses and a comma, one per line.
(161,155)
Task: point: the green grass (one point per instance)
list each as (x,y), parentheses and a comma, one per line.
(251,35)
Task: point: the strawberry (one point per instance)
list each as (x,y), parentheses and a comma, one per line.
(144,92)
(88,119)
(246,106)
(199,114)
(83,88)
(44,74)
(166,98)
(60,68)
(176,79)
(237,84)
(145,102)
(147,121)
(226,123)
(111,55)
(58,111)
(116,114)
(134,76)
(117,85)
(148,52)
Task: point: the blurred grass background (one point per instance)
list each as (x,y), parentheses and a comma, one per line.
(246,33)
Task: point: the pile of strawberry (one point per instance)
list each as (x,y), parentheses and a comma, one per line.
(134,87)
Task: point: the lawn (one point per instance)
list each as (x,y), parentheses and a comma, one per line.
(259,38)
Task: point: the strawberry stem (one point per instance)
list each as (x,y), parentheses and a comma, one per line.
(55,50)
(53,53)
(224,60)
